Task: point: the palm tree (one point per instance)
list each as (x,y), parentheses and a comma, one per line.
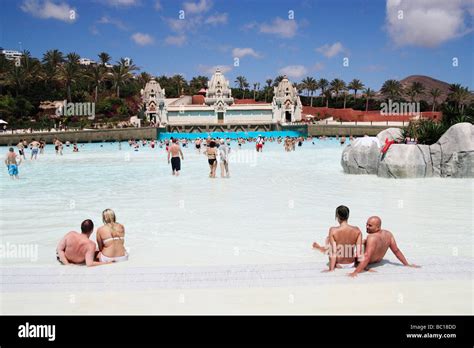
(52,60)
(144,78)
(337,85)
(310,85)
(355,85)
(323,85)
(328,94)
(344,91)
(368,95)
(459,94)
(70,72)
(435,93)
(104,58)
(96,74)
(268,87)
(391,88)
(180,82)
(121,73)
(242,83)
(414,90)
(278,80)
(198,82)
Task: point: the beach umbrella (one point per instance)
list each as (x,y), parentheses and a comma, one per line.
(3,122)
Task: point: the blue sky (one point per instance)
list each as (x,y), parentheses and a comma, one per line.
(381,39)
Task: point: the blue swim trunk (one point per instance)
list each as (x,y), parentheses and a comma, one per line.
(13,169)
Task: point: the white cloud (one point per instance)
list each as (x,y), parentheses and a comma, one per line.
(158,6)
(318,66)
(177,40)
(121,3)
(199,7)
(249,26)
(426,23)
(331,50)
(219,18)
(206,69)
(242,52)
(142,39)
(280,27)
(50,10)
(113,21)
(294,71)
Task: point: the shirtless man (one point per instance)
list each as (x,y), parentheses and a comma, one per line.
(34,145)
(77,248)
(376,246)
(197,144)
(344,242)
(12,164)
(175,152)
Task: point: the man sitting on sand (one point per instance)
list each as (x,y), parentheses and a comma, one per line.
(344,242)
(77,248)
(376,245)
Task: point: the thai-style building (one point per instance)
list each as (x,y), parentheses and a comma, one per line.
(218,110)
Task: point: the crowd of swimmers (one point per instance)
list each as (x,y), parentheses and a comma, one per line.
(216,150)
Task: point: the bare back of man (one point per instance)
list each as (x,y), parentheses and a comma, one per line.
(376,246)
(76,247)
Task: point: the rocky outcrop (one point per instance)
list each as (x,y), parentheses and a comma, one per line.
(451,156)
(453,153)
(361,157)
(406,161)
(390,134)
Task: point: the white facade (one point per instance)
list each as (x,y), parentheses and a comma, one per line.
(219,107)
(153,96)
(12,54)
(286,102)
(86,61)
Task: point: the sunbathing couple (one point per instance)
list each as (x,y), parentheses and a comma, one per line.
(77,248)
(347,249)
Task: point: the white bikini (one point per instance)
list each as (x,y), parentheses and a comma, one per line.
(103,258)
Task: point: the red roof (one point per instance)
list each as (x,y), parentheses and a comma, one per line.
(198,100)
(248,101)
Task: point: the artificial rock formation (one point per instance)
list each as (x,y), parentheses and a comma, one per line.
(451,156)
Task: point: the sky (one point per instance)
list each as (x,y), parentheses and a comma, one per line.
(371,40)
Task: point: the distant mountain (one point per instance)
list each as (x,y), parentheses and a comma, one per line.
(429,83)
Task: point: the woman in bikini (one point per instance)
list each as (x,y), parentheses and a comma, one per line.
(111,239)
(212,158)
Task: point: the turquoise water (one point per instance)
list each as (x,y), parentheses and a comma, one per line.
(231,135)
(273,207)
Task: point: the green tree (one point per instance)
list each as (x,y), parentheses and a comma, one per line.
(355,85)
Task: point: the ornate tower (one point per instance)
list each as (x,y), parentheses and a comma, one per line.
(286,102)
(153,98)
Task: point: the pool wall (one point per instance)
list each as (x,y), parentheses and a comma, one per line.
(86,136)
(231,135)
